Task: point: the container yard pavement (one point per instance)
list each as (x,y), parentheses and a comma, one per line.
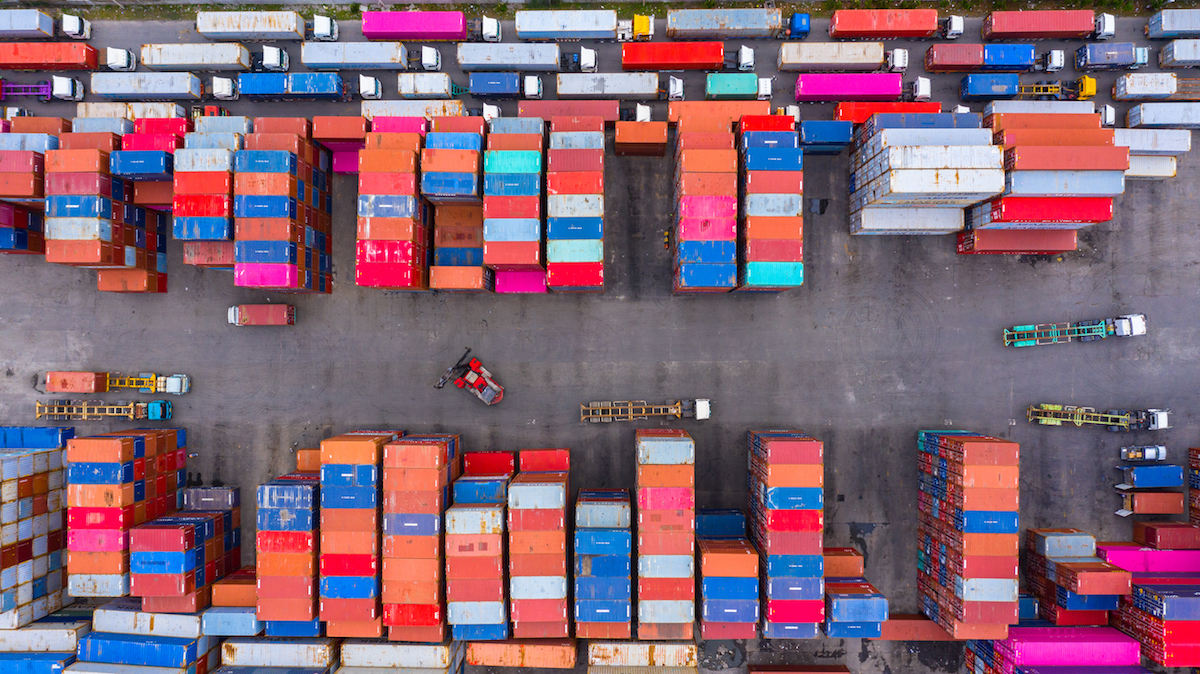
(888,335)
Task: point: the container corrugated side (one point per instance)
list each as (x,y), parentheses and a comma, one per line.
(196,56)
(127,86)
(367,653)
(434,108)
(630,86)
(1180,54)
(583,24)
(632,654)
(129,110)
(354,55)
(702,24)
(508,56)
(1041,107)
(863,56)
(1185,115)
(19,24)
(1173,23)
(1143,167)
(414,25)
(423,85)
(260,652)
(278,25)
(1164,142)
(905,220)
(1144,86)
(1065,183)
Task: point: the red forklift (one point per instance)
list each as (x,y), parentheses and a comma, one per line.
(470,374)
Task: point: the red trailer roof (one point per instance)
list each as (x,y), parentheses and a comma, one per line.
(883,23)
(1060,23)
(672,55)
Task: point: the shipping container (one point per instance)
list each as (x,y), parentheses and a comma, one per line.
(494,85)
(427,26)
(508,56)
(626,86)
(566,25)
(1009,58)
(354,55)
(1180,54)
(1015,242)
(609,111)
(883,23)
(196,57)
(842,56)
(1142,167)
(721,24)
(47,56)
(953,57)
(1172,142)
(1108,56)
(262,314)
(979,87)
(1156,86)
(849,87)
(1173,23)
(1039,24)
(141,86)
(423,85)
(250,26)
(859,113)
(25,24)
(426,109)
(1065,183)
(1041,107)
(731,86)
(672,56)
(1184,115)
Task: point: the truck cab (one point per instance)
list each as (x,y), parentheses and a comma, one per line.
(764,88)
(158,410)
(1108,115)
(176,384)
(324,29)
(639,29)
(121,60)
(483,29)
(1158,420)
(674,89)
(1129,325)
(799,25)
(428,59)
(224,89)
(66,88)
(1106,27)
(897,60)
(951,27)
(369,88)
(1051,61)
(745,59)
(532,85)
(1141,58)
(76,27)
(922,90)
(274,60)
(642,113)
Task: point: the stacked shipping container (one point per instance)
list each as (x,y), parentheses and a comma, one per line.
(476,607)
(22,180)
(729,568)
(458,215)
(853,609)
(287,545)
(202,205)
(537,545)
(967,532)
(350,533)
(706,206)
(512,206)
(772,208)
(603,565)
(124,637)
(417,472)
(575,205)
(1073,586)
(1091,649)
(393,221)
(666,532)
(786,474)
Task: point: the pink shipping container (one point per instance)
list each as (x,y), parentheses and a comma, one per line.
(1137,559)
(707,207)
(521,281)
(345,162)
(1039,25)
(398,125)
(420,26)
(1075,646)
(666,498)
(706,229)
(265,275)
(849,86)
(98,540)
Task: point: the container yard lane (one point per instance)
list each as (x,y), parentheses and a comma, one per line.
(888,335)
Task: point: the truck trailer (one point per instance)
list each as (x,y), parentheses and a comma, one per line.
(566,25)
(103,382)
(1111,56)
(721,24)
(147,86)
(884,24)
(429,26)
(424,85)
(628,86)
(1128,325)
(811,87)
(1156,87)
(40,56)
(251,26)
(197,56)
(1180,54)
(836,56)
(673,56)
(508,56)
(1114,421)
(1049,24)
(354,56)
(1173,23)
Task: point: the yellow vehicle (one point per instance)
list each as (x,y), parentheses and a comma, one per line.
(1083,89)
(639,29)
(95,410)
(637,410)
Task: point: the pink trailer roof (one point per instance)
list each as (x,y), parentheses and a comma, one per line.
(398,125)
(849,86)
(414,25)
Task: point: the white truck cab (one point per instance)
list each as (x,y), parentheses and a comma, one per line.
(674,89)
(490,112)
(703,409)
(532,86)
(431,59)
(224,89)
(176,384)
(119,59)
(1129,325)
(792,111)
(1159,420)
(952,27)
(922,89)
(961,110)
(641,112)
(745,58)
(587,60)
(369,88)
(764,88)
(66,88)
(1108,115)
(324,29)
(275,59)
(489,29)
(897,60)
(1106,27)
(76,27)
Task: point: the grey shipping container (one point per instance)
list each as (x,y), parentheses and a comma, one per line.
(213,141)
(1041,107)
(577,140)
(218,124)
(117,125)
(627,86)
(25,24)
(437,108)
(1065,183)
(503,125)
(508,56)
(576,24)
(423,85)
(1180,54)
(1171,23)
(1171,142)
(1185,115)
(152,86)
(196,56)
(715,24)
(354,55)
(212,159)
(250,26)
(129,110)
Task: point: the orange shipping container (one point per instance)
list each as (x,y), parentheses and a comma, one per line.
(391,229)
(995,477)
(728,111)
(843,563)
(412,547)
(656,475)
(911,627)
(975,498)
(691,140)
(326,128)
(369,629)
(76,382)
(97,562)
(459,278)
(234,592)
(281,142)
(100,450)
(99,495)
(1015,120)
(1043,158)
(50,125)
(458,237)
(349,519)
(559,654)
(761,227)
(416,479)
(736,559)
(354,449)
(393,161)
(153,192)
(706,184)
(280,184)
(77,161)
(427,568)
(411,592)
(1044,137)
(446,161)
(792,475)
(707,161)
(458,216)
(24,185)
(537,542)
(350,542)
(293,125)
(537,565)
(268,229)
(393,141)
(474,545)
(641,133)
(286,564)
(515,141)
(308,460)
(105,141)
(126,281)
(694,124)
(286,609)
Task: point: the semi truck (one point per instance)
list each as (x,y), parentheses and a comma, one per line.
(425,85)
(721,24)
(889,24)
(1173,23)
(989,87)
(583,62)
(639,410)
(1180,54)
(119,86)
(1050,24)
(1111,56)
(566,25)
(508,56)
(812,87)
(262,314)
(358,56)
(40,56)
(33,24)
(841,56)
(1128,325)
(1014,58)
(96,410)
(429,26)
(292,86)
(1156,87)
(1048,414)
(264,26)
(197,56)
(504,85)
(103,382)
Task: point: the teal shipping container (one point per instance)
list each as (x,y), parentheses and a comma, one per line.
(512,161)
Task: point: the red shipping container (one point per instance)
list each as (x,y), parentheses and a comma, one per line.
(1052,209)
(561,275)
(390,275)
(474,567)
(48,56)
(773,250)
(285,609)
(793,520)
(788,543)
(1026,24)
(412,615)
(80,252)
(774,182)
(609,111)
(795,610)
(156,538)
(665,631)
(700,140)
(464,124)
(99,518)
(285,541)
(395,229)
(673,55)
(515,141)
(387,183)
(489,463)
(653,543)
(666,520)
(1017,241)
(538,630)
(77,161)
(538,610)
(692,184)
(419,502)
(712,630)
(349,565)
(204,182)
(411,592)
(193,602)
(328,128)
(512,207)
(161,142)
(474,545)
(883,23)
(953,57)
(152,192)
(575,182)
(433,634)
(666,589)
(538,519)
(281,142)
(860,111)
(172,125)
(83,184)
(21,161)
(395,252)
(348,609)
(105,141)
(53,126)
(202,205)
(568,123)
(22,185)
(285,587)
(537,565)
(475,589)
(414,547)
(267,229)
(512,255)
(766,123)
(299,126)
(544,460)
(162,584)
(574,161)
(1058,158)
(603,630)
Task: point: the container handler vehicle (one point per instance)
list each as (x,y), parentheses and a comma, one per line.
(1048,414)
(97,410)
(638,410)
(1128,325)
(470,374)
(1144,453)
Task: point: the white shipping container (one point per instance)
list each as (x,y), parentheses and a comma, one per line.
(773,205)
(261,26)
(191,160)
(21,24)
(124,86)
(354,55)
(642,670)
(508,56)
(1142,167)
(44,637)
(1041,107)
(931,157)
(633,654)
(231,621)
(213,141)
(196,56)
(666,566)
(847,56)
(474,519)
(1065,183)
(453,669)
(130,110)
(1164,114)
(905,220)
(78,229)
(1180,54)
(577,140)
(1144,86)
(80,667)
(269,652)
(222,124)
(1171,22)
(117,125)
(986,589)
(370,653)
(580,24)
(603,514)
(475,613)
(97,584)
(423,85)
(441,108)
(537,587)
(630,86)
(965,182)
(665,450)
(124,616)
(875,144)
(537,495)
(575,205)
(663,611)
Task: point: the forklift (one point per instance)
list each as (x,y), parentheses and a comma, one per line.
(470,374)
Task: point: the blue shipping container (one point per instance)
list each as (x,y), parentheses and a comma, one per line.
(454,141)
(320,86)
(824,131)
(730,610)
(284,519)
(458,257)
(294,628)
(264,161)
(721,587)
(349,497)
(799,566)
(981,87)
(691,276)
(512,184)
(349,475)
(603,542)
(263,206)
(727,523)
(264,85)
(199,228)
(574,228)
(411,524)
(794,587)
(770,139)
(437,184)
(603,566)
(136,649)
(770,159)
(494,85)
(349,587)
(278,252)
(141,164)
(714,252)
(611,588)
(1008,57)
(852,630)
(603,611)
(512,229)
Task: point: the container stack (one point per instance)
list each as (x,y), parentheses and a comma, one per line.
(772,188)
(45,646)
(156,134)
(20,227)
(914,173)
(854,609)
(476,607)
(282,209)
(450,176)
(512,205)
(417,472)
(113,484)
(393,235)
(1063,171)
(1194,485)
(123,636)
(603,564)
(787,517)
(286,555)
(705,241)
(202,208)
(575,205)
(22,184)
(1091,649)
(640,139)
(1153,153)
(344,137)
(728,586)
(537,545)
(221,500)
(1072,585)
(967,533)
(458,230)
(33,456)
(666,533)
(169,562)
(350,534)
(1162,613)
(1149,489)
(826,137)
